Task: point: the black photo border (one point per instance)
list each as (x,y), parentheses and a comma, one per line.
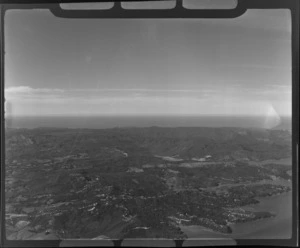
(178,12)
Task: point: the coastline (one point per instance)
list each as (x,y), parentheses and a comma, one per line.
(277,227)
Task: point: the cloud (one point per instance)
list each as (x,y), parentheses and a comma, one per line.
(231,101)
(36,101)
(25,92)
(29,90)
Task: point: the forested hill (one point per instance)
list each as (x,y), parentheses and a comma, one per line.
(182,142)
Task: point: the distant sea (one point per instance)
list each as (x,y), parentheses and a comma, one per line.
(101,122)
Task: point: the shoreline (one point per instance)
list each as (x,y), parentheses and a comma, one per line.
(249,229)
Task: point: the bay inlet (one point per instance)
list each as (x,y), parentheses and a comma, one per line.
(278,227)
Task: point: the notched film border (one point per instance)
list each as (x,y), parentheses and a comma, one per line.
(179,11)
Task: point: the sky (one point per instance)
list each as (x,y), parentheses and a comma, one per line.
(236,67)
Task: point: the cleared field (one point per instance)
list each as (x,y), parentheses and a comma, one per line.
(283,161)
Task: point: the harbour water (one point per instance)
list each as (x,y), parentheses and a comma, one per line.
(278,227)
